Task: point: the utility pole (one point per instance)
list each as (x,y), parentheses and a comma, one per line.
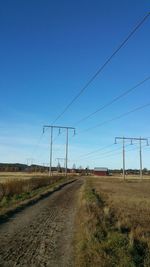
(51,144)
(123,159)
(140,143)
(51,153)
(66,151)
(131,139)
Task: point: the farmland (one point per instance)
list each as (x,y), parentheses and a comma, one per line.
(18,187)
(5,176)
(116,231)
(17,176)
(99,221)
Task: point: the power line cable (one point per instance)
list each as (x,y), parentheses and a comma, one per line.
(111,153)
(88,155)
(120,148)
(127,150)
(114,154)
(102,67)
(103,154)
(95,151)
(117,118)
(114,100)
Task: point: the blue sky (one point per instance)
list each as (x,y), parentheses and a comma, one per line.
(48,51)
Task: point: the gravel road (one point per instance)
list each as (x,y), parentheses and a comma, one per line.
(42,234)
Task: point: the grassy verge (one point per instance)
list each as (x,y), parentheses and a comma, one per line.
(101,241)
(15,192)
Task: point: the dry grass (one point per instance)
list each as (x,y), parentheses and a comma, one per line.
(5,176)
(130,201)
(17,186)
(114,224)
(14,191)
(128,177)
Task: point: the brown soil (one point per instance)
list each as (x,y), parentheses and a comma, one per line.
(42,234)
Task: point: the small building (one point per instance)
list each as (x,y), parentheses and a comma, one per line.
(101,171)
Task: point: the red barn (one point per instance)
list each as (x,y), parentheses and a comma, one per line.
(100,171)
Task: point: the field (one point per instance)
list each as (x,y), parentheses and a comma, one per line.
(130,200)
(5,176)
(114,223)
(18,187)
(128,176)
(99,221)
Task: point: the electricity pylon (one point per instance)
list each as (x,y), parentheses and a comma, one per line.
(131,139)
(51,144)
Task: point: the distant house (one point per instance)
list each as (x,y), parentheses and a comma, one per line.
(100,171)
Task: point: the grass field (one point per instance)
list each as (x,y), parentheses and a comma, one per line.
(5,176)
(114,223)
(17,187)
(130,200)
(127,177)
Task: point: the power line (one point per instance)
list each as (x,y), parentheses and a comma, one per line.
(102,67)
(117,118)
(114,153)
(97,150)
(89,155)
(111,153)
(114,100)
(52,127)
(106,153)
(131,139)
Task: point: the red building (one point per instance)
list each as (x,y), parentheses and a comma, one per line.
(100,171)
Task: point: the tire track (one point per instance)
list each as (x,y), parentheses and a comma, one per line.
(41,235)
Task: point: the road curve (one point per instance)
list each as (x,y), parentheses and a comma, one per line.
(42,234)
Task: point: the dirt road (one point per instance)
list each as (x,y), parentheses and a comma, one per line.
(42,234)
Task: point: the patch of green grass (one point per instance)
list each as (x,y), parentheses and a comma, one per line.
(117,248)
(92,197)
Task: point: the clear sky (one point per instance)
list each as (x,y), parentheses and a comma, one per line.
(48,51)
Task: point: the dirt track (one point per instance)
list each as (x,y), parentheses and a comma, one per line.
(42,234)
